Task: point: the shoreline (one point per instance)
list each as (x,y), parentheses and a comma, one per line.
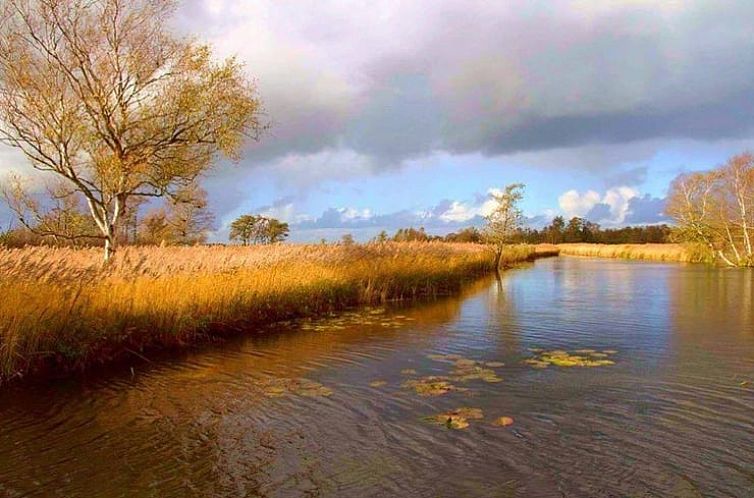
(160,300)
(649,252)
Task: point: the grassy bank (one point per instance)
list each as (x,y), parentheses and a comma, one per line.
(654,252)
(61,311)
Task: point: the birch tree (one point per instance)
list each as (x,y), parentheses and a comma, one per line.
(103,95)
(505,219)
(716,209)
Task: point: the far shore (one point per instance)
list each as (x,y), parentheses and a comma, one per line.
(655,252)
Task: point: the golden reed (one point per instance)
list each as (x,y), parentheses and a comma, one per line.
(655,252)
(60,310)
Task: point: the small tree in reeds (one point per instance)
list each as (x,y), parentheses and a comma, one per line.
(102,95)
(505,219)
(716,209)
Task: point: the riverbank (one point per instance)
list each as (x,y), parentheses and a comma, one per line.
(653,252)
(62,312)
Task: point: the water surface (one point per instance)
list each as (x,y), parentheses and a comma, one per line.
(320,408)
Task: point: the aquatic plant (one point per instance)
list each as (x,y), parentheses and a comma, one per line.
(579,358)
(467,369)
(456,419)
(503,421)
(433,385)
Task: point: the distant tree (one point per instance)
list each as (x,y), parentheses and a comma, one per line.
(128,232)
(275,231)
(381,237)
(154,229)
(244,228)
(411,235)
(555,230)
(347,239)
(469,235)
(574,230)
(188,216)
(61,219)
(505,220)
(101,94)
(250,228)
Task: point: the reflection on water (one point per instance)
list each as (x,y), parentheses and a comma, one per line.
(321,408)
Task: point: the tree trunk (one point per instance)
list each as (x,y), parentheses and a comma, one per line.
(498,257)
(109,248)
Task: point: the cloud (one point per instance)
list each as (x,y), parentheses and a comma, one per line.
(396,80)
(646,210)
(610,208)
(575,204)
(445,216)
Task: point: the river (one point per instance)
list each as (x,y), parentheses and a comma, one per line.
(343,407)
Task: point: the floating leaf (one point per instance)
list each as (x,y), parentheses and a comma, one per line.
(431,386)
(464,362)
(562,358)
(494,364)
(456,419)
(377,383)
(536,363)
(277,387)
(503,421)
(408,371)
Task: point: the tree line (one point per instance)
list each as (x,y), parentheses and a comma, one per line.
(101,97)
(557,232)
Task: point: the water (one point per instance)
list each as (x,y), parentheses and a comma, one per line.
(674,416)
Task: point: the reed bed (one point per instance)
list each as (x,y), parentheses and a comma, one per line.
(654,252)
(60,310)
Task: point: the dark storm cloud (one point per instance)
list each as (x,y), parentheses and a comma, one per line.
(599,212)
(646,210)
(404,79)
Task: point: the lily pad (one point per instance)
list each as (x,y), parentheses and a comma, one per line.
(503,421)
(277,387)
(456,419)
(560,358)
(431,386)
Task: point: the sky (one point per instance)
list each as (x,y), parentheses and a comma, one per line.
(393,113)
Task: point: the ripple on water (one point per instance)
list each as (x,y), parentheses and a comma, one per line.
(671,417)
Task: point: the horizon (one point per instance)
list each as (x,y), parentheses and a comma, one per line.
(410,115)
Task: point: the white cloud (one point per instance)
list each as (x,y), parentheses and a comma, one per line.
(575,204)
(458,211)
(611,208)
(618,199)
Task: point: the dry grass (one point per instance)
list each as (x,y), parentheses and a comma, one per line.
(61,311)
(655,252)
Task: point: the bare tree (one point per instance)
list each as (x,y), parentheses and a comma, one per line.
(61,218)
(188,216)
(505,219)
(100,93)
(716,209)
